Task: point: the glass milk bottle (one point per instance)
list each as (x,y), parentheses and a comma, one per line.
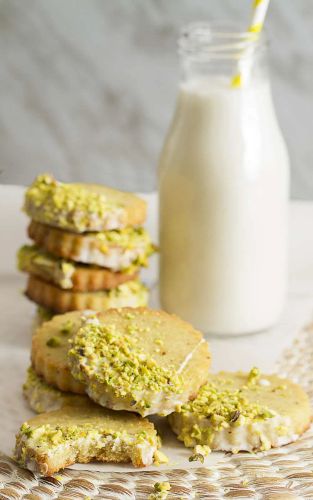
(223,183)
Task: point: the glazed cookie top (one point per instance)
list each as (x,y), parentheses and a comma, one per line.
(238,398)
(139,353)
(82,207)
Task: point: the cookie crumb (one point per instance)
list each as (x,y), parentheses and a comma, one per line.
(161,491)
(53,342)
(160,458)
(200,452)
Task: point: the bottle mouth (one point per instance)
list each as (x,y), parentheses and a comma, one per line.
(218,40)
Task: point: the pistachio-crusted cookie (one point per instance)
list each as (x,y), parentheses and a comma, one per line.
(51,441)
(132,293)
(43,397)
(50,344)
(68,274)
(118,250)
(243,412)
(139,360)
(82,207)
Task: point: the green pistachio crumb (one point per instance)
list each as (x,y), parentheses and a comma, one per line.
(196,457)
(223,406)
(160,458)
(26,430)
(67,327)
(124,365)
(70,206)
(160,491)
(253,376)
(53,342)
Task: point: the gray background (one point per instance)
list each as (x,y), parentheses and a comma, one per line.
(88,87)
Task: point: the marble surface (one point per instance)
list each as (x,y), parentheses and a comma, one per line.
(88,88)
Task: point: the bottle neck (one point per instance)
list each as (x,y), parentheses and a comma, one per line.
(209,51)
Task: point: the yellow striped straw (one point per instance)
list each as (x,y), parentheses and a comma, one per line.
(258,17)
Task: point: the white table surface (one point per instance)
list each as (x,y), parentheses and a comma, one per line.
(261,349)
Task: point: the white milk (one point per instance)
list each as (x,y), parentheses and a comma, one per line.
(223,208)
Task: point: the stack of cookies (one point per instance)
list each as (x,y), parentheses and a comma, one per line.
(96,377)
(89,245)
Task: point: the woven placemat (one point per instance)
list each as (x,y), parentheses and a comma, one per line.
(279,474)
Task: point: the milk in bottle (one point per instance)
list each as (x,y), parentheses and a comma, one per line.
(223,184)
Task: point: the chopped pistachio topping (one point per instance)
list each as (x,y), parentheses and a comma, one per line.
(237,411)
(114,358)
(41,395)
(47,435)
(160,491)
(128,237)
(67,327)
(34,260)
(70,206)
(224,406)
(253,376)
(54,342)
(32,380)
(133,287)
(199,453)
(160,458)
(196,457)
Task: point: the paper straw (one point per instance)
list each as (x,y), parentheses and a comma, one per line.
(258,17)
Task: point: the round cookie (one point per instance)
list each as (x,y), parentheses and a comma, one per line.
(43,397)
(82,207)
(69,275)
(50,344)
(120,250)
(132,293)
(243,412)
(139,360)
(51,441)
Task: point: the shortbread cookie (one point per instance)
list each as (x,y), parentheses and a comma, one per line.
(120,250)
(43,397)
(66,274)
(51,441)
(131,293)
(50,344)
(139,360)
(243,412)
(82,207)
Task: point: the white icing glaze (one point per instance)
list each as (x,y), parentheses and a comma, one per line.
(189,356)
(249,436)
(116,259)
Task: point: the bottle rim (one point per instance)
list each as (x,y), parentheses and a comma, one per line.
(218,40)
